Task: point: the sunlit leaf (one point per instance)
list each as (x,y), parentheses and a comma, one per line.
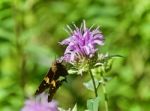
(75,108)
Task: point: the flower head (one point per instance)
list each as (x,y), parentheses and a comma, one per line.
(82,44)
(40,103)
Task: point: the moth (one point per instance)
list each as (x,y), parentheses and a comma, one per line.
(52,79)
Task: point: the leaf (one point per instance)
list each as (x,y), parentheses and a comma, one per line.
(115,56)
(61,109)
(109,61)
(108,65)
(93,104)
(89,84)
(72,71)
(75,108)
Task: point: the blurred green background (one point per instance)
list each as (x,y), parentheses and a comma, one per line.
(29,34)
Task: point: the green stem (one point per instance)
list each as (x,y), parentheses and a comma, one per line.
(104,91)
(95,90)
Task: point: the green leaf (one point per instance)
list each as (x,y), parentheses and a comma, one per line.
(108,65)
(109,61)
(93,104)
(75,108)
(89,84)
(115,56)
(72,71)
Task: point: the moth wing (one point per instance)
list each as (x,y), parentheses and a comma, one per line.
(42,87)
(51,94)
(45,83)
(53,90)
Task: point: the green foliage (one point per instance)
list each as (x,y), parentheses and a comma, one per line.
(75,108)
(93,104)
(89,84)
(29,34)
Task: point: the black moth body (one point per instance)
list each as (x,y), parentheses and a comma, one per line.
(51,80)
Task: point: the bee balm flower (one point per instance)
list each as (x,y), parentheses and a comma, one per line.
(40,104)
(82,43)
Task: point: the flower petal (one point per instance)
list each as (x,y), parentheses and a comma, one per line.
(82,43)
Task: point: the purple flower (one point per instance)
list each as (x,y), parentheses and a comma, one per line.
(82,43)
(40,103)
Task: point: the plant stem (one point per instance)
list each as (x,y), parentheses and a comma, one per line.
(95,90)
(104,91)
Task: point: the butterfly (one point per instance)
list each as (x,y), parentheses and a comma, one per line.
(52,79)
